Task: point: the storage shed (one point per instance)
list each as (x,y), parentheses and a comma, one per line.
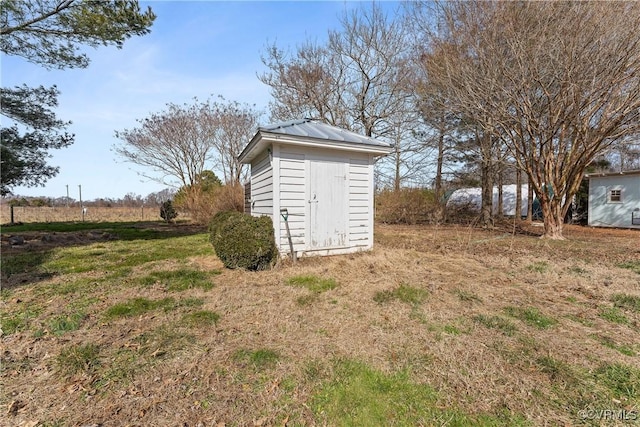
(323,177)
(614,199)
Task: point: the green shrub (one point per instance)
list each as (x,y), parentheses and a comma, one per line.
(167,211)
(217,222)
(243,241)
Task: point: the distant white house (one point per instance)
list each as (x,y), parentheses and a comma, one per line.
(472,199)
(614,199)
(320,178)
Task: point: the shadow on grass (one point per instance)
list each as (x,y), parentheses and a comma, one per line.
(121,230)
(22,264)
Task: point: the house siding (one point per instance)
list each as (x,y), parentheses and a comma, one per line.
(605,213)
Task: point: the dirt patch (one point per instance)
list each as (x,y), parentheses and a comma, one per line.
(42,241)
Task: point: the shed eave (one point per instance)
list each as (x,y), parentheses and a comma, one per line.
(612,174)
(264,139)
(253,148)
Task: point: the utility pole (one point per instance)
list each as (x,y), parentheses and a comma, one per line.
(80,194)
(67,200)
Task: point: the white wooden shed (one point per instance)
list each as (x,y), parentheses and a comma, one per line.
(614,199)
(323,176)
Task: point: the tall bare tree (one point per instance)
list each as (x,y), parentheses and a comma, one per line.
(177,144)
(183,141)
(235,124)
(308,83)
(557,82)
(359,80)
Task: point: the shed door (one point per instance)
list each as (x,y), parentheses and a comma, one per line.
(328,204)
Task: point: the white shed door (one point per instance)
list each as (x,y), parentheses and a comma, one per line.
(328,204)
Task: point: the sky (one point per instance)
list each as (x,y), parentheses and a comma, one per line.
(195,49)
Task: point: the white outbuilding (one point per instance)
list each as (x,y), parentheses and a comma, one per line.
(320,178)
(614,199)
(471,198)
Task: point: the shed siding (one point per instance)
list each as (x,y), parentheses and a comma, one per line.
(605,213)
(360,209)
(262,186)
(293,198)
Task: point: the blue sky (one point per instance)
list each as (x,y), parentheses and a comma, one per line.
(195,49)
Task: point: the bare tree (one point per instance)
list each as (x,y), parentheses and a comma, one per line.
(443,126)
(557,82)
(177,144)
(308,83)
(359,80)
(235,125)
(183,141)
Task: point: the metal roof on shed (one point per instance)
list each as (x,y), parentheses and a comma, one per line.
(314,133)
(312,129)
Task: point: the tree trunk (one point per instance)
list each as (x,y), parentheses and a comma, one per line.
(396,180)
(438,184)
(518,213)
(486,211)
(552,216)
(529,200)
(500,212)
(486,166)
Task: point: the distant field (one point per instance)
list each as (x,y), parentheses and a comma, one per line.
(63,214)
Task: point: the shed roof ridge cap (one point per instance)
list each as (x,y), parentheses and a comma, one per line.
(280,125)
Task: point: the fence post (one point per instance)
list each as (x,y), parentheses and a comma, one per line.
(12,215)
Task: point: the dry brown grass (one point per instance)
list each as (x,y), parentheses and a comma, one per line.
(29,214)
(466,272)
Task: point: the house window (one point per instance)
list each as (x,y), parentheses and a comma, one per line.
(615,196)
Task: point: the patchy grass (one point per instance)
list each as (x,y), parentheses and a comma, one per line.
(614,315)
(610,343)
(259,359)
(313,283)
(626,302)
(531,316)
(403,293)
(538,267)
(58,325)
(467,296)
(357,395)
(201,318)
(12,322)
(316,285)
(496,322)
(180,280)
(78,358)
(631,265)
(623,381)
(192,343)
(138,306)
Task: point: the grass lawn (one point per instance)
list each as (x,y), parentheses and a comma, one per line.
(139,324)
